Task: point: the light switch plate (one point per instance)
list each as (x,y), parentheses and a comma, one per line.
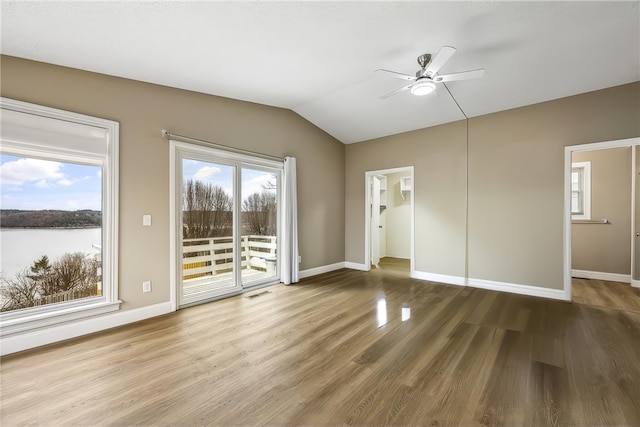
(146,220)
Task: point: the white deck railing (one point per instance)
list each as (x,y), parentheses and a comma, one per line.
(214,255)
(204,257)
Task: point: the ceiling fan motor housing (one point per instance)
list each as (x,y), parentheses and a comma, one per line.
(424,60)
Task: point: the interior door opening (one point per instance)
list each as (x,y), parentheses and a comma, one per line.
(601,217)
(389,219)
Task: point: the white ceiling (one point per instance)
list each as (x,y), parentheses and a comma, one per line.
(319,58)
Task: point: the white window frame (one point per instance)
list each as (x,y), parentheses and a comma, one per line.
(51,134)
(586,190)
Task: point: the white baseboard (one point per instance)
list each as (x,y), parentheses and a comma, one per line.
(514,288)
(440,278)
(635,283)
(27,340)
(320,270)
(598,275)
(355,266)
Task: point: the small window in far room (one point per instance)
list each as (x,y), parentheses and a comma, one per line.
(581,191)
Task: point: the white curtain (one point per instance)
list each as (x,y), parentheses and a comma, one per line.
(289,259)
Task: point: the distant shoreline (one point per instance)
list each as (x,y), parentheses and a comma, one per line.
(49,219)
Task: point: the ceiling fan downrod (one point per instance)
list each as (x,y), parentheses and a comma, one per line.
(424,61)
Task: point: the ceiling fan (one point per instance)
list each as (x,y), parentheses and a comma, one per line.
(426,78)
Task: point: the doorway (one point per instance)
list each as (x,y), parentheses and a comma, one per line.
(598,213)
(225,222)
(389,216)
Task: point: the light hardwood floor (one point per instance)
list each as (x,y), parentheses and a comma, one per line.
(314,354)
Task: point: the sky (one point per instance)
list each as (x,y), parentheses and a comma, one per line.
(34,184)
(253,181)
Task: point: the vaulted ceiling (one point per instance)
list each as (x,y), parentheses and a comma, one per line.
(319,59)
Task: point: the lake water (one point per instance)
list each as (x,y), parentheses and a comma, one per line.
(19,248)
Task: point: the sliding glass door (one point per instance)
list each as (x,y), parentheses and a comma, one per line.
(227,210)
(259,224)
(207,238)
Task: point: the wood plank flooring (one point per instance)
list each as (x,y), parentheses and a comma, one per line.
(602,293)
(313,354)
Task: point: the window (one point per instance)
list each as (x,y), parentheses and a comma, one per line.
(58,217)
(581,191)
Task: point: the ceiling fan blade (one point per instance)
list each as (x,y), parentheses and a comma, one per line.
(395,92)
(473,74)
(439,60)
(397,75)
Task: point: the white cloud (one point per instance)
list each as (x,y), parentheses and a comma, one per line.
(256,184)
(22,171)
(207,172)
(35,184)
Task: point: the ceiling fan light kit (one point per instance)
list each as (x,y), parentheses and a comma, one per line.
(423,87)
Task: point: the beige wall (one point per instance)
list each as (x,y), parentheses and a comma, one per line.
(143,110)
(515,193)
(605,247)
(439,157)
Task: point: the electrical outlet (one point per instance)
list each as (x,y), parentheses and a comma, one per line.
(299,259)
(146,220)
(146,286)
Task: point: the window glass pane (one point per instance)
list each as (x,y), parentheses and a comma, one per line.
(207,228)
(577,191)
(51,231)
(575,179)
(259,218)
(577,204)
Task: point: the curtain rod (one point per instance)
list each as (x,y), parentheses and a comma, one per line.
(167,134)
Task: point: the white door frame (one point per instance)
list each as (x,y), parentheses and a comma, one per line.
(239,161)
(568,151)
(376,216)
(634,177)
(367,213)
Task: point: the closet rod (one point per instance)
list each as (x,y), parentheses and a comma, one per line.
(591,221)
(169,135)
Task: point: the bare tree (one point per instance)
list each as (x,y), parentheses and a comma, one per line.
(259,213)
(206,210)
(21,292)
(271,184)
(71,272)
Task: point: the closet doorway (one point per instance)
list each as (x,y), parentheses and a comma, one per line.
(389,216)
